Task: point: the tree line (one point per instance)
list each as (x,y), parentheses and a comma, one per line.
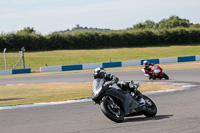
(171,22)
(80,28)
(168,31)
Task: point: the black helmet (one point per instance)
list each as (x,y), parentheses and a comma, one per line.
(99,73)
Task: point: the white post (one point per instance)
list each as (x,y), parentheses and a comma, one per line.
(4,51)
(23,49)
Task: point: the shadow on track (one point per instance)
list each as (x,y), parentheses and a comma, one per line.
(157,117)
(10,99)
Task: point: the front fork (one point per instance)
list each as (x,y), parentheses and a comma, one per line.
(111,102)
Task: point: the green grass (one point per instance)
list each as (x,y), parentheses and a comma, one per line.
(35,60)
(11,95)
(26,94)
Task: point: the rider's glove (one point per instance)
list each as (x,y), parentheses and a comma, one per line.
(137,85)
(108,84)
(131,84)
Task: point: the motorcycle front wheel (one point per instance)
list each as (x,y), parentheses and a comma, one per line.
(151,109)
(165,76)
(114,114)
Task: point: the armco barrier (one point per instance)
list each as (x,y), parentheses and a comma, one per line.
(15,71)
(118,64)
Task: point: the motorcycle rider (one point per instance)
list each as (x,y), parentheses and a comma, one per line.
(124,85)
(147,68)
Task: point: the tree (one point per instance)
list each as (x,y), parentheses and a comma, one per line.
(139,26)
(148,24)
(173,22)
(27,30)
(195,26)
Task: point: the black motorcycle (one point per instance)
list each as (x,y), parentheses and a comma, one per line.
(117,104)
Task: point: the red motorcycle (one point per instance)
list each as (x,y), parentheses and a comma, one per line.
(156,72)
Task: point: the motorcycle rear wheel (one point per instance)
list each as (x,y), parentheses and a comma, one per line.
(151,109)
(110,114)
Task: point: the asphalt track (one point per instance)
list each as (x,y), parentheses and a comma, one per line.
(178,111)
(189,75)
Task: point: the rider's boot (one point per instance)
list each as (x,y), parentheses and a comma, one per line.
(153,77)
(141,102)
(140,98)
(133,88)
(150,77)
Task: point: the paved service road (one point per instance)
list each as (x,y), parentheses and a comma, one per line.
(178,112)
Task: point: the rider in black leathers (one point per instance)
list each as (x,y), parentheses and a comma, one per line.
(124,85)
(147,68)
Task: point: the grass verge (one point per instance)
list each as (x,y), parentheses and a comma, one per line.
(35,60)
(11,95)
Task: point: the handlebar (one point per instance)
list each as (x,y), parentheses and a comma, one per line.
(131,84)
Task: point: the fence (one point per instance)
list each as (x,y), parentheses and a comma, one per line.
(11,60)
(13,64)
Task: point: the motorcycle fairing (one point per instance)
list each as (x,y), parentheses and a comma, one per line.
(128,103)
(97,88)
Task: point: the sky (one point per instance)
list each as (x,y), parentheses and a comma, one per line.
(47,16)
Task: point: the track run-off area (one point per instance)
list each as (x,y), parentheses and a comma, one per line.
(178,111)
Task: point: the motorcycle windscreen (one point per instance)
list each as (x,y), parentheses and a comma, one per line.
(97,86)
